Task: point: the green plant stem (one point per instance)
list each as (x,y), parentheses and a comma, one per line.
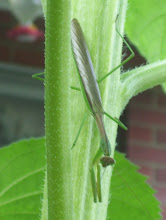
(44,211)
(57,110)
(141,79)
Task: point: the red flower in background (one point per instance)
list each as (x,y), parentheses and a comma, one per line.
(25,33)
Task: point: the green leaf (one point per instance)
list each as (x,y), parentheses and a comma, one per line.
(145,27)
(22,166)
(123,202)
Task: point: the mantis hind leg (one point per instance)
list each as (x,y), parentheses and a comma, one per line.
(121,64)
(75,88)
(36,76)
(79,131)
(116,120)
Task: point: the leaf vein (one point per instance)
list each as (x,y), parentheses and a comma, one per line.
(19,180)
(21,197)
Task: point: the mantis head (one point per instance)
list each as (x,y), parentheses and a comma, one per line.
(107,160)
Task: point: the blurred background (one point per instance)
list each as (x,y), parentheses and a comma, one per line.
(21,55)
(22,98)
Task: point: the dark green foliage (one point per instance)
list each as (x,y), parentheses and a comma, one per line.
(123,201)
(22,166)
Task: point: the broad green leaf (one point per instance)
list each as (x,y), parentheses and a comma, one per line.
(145,27)
(126,191)
(22,166)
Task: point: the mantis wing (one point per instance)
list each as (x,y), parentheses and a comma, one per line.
(89,85)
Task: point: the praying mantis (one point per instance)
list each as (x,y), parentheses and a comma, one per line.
(91,94)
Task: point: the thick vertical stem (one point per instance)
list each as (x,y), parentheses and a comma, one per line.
(57,108)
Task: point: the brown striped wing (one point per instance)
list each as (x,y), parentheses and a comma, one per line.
(85,67)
